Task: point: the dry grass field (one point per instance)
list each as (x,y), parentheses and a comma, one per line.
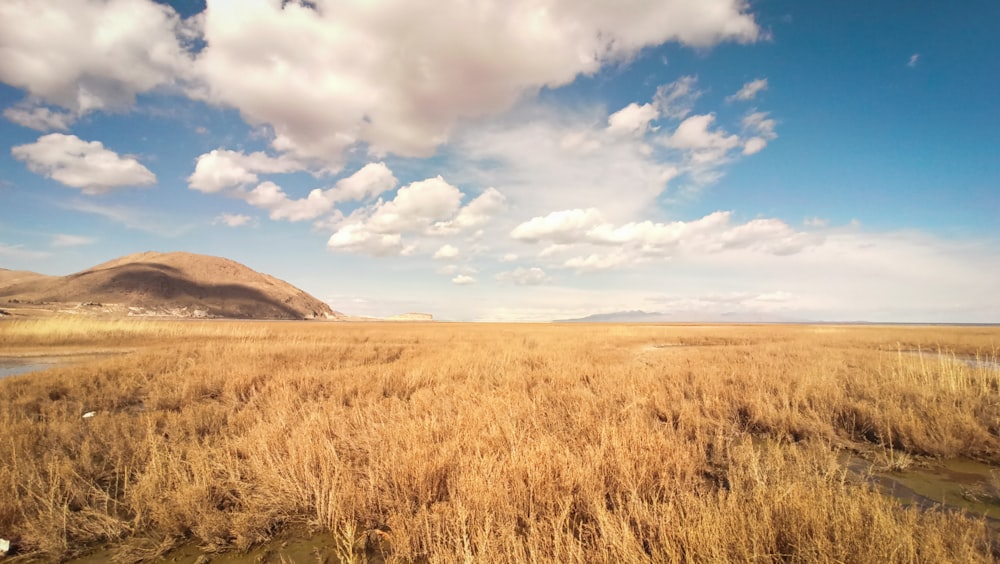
(491,443)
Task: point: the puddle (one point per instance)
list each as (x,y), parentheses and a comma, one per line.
(15,366)
(963,485)
(292,546)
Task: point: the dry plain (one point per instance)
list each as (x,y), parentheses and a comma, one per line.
(412,442)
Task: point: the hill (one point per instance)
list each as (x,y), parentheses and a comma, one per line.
(164,284)
(638,316)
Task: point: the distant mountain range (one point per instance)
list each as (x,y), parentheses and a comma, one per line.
(638,316)
(162,285)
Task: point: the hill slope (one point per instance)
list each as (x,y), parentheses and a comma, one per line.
(172,284)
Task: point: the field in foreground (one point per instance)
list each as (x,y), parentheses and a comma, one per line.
(496,443)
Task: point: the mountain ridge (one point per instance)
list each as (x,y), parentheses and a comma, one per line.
(681,316)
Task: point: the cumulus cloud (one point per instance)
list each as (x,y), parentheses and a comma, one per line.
(693,134)
(633,119)
(417,207)
(86,165)
(358,239)
(565,226)
(749,90)
(705,149)
(524,276)
(446,252)
(88,55)
(640,241)
(476,213)
(463,280)
(231,172)
(232,219)
(65,240)
(382,74)
(424,208)
(222,169)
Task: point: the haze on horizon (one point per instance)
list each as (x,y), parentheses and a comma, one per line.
(521,160)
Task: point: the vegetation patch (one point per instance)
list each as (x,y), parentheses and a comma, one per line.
(505,443)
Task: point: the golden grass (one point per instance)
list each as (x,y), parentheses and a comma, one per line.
(495,443)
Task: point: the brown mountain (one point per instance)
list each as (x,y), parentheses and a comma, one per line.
(165,284)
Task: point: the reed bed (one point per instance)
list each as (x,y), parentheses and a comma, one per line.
(492,443)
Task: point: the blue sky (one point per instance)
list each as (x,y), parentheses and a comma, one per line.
(520,160)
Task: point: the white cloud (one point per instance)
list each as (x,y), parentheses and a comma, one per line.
(595,262)
(370,181)
(815,222)
(383,74)
(269,196)
(416,207)
(222,169)
(446,252)
(914,59)
(640,241)
(750,90)
(87,55)
(356,238)
(633,119)
(761,128)
(232,219)
(550,158)
(424,208)
(81,164)
(64,240)
(463,280)
(693,134)
(760,124)
(38,117)
(705,149)
(558,158)
(476,213)
(230,172)
(754,145)
(771,236)
(564,226)
(524,276)
(509,257)
(676,99)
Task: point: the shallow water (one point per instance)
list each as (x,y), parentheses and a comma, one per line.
(292,546)
(970,361)
(958,484)
(20,365)
(15,366)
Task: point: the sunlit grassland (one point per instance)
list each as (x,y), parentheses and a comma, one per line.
(495,443)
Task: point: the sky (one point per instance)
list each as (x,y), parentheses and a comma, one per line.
(519,160)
